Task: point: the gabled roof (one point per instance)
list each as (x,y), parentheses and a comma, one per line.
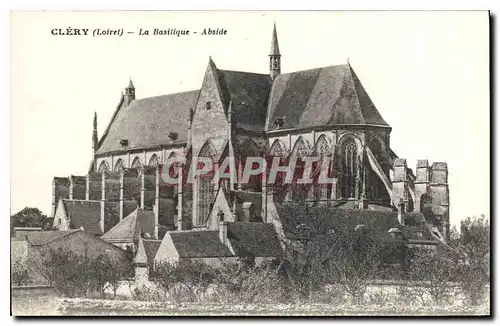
(129,229)
(253,238)
(322,96)
(41,238)
(249,93)
(84,213)
(149,121)
(199,244)
(146,251)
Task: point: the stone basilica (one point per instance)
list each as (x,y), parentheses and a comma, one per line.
(318,112)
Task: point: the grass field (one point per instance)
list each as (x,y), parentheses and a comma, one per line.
(52,305)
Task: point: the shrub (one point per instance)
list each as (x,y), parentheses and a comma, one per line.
(19,273)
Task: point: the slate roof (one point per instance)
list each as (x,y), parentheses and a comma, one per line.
(40,238)
(249,93)
(254,239)
(148,122)
(322,96)
(275,49)
(199,244)
(84,213)
(151,247)
(330,95)
(147,251)
(129,229)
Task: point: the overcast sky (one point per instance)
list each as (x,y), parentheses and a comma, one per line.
(426,72)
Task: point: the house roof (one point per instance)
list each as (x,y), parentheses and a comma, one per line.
(40,238)
(322,96)
(253,238)
(199,244)
(129,229)
(146,251)
(84,213)
(151,247)
(249,93)
(149,121)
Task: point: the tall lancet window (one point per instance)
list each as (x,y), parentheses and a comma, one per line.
(119,165)
(154,160)
(206,187)
(349,169)
(103,167)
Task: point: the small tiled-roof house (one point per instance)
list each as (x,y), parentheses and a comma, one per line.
(30,247)
(230,242)
(95,217)
(139,223)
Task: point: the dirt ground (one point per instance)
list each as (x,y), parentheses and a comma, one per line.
(52,305)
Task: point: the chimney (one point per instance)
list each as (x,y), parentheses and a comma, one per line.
(401,212)
(223,232)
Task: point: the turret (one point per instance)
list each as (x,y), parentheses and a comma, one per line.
(421,183)
(274,56)
(439,193)
(400,182)
(129,93)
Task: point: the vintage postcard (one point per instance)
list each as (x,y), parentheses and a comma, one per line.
(247,163)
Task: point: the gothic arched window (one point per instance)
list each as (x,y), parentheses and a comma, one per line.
(322,147)
(206,187)
(300,149)
(119,166)
(248,149)
(153,161)
(349,168)
(103,167)
(277,149)
(136,163)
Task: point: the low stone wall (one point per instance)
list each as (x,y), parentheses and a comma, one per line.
(32,290)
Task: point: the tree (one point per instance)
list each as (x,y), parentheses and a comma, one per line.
(472,244)
(356,257)
(19,273)
(250,283)
(30,217)
(63,269)
(336,246)
(115,273)
(165,276)
(196,276)
(432,271)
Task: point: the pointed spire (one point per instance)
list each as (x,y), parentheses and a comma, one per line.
(95,120)
(129,93)
(274,56)
(275,49)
